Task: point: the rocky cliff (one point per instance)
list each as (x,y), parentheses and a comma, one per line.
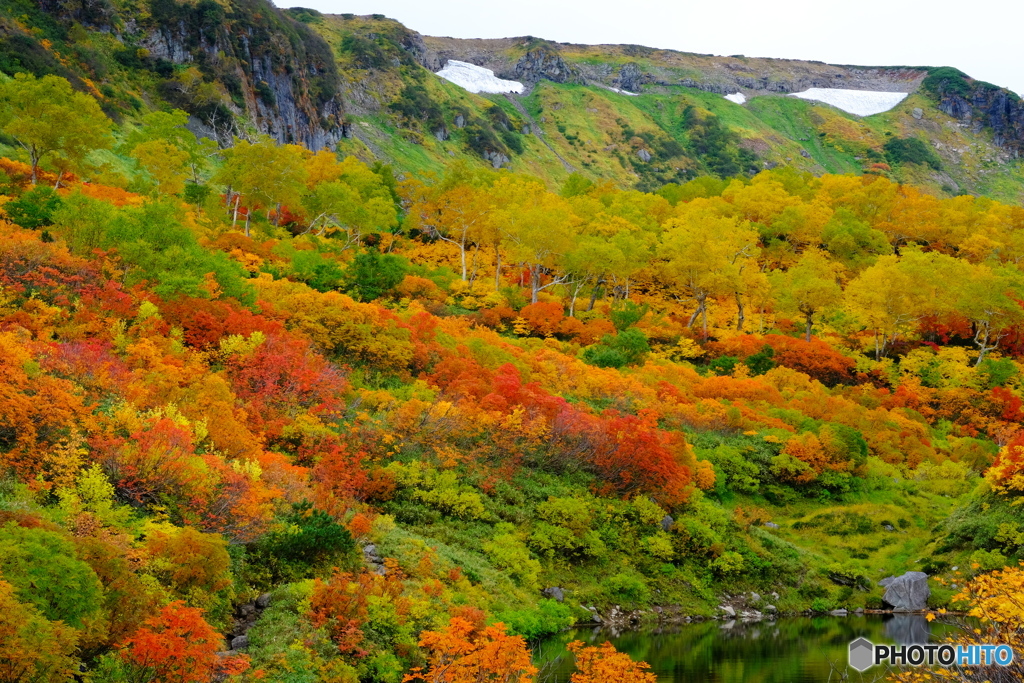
(981,104)
(237,68)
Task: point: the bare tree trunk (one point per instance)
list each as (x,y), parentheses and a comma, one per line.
(809,326)
(741,312)
(593,294)
(497,268)
(472,265)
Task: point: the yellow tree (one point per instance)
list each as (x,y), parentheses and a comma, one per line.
(890,297)
(538,226)
(170,128)
(456,209)
(347,198)
(50,119)
(168,164)
(808,288)
(705,255)
(265,174)
(991,299)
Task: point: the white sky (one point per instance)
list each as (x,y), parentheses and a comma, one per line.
(982,40)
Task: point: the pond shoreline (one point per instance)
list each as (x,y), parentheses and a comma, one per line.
(616,617)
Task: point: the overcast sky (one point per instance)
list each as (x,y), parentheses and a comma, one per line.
(983,40)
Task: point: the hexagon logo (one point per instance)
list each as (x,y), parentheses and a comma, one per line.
(862,654)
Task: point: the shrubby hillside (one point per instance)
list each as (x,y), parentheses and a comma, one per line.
(269,413)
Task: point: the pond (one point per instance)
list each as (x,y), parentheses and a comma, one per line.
(786,650)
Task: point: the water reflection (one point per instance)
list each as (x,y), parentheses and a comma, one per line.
(790,650)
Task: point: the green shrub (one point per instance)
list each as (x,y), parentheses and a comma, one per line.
(911,151)
(547,618)
(723,365)
(310,539)
(508,552)
(628,587)
(34,209)
(728,563)
(625,348)
(45,571)
(372,275)
(997,371)
(947,80)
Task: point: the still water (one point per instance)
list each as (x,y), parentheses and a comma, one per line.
(789,650)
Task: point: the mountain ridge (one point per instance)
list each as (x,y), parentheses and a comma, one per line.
(367,86)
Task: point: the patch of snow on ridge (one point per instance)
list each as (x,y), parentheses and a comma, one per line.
(737,97)
(859,102)
(621,92)
(476,78)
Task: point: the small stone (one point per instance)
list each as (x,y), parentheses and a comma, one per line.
(771,525)
(644,155)
(770,608)
(775,596)
(754,597)
(839,612)
(955,568)
(728,610)
(917,113)
(239,642)
(889,527)
(263,602)
(667,522)
(554,592)
(859,610)
(805,154)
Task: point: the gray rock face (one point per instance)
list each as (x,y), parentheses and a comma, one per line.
(644,155)
(240,642)
(554,593)
(497,159)
(805,154)
(667,522)
(771,525)
(907,593)
(263,601)
(631,78)
(544,63)
(460,121)
(917,113)
(728,610)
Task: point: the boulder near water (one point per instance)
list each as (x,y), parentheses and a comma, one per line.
(907,593)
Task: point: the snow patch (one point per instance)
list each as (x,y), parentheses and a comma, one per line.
(476,78)
(859,102)
(737,97)
(621,92)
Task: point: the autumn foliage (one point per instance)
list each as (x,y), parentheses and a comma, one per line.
(466,653)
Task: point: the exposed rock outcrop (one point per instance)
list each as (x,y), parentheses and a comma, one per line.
(906,593)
